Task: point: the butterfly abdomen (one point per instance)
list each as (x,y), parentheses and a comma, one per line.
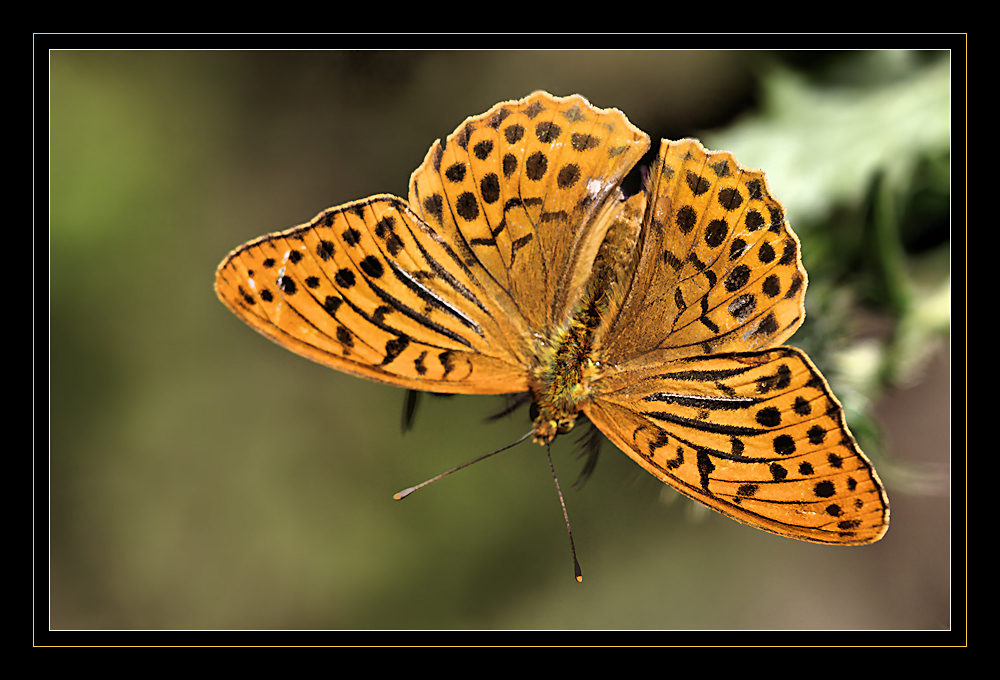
(561,382)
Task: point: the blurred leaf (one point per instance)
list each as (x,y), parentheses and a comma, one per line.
(823,146)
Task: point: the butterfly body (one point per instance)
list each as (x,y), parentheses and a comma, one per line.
(517,265)
(571,360)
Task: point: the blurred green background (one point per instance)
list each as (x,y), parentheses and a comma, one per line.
(203,477)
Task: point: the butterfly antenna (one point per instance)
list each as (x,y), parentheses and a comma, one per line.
(406,492)
(569,530)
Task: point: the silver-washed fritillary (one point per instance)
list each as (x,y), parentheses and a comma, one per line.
(518,265)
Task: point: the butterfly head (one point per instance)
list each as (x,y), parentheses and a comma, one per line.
(550,422)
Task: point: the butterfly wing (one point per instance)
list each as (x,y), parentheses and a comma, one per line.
(369,289)
(757,436)
(719,268)
(527,191)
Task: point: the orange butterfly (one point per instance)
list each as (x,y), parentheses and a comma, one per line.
(517,265)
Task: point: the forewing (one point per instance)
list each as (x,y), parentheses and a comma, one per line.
(719,269)
(369,289)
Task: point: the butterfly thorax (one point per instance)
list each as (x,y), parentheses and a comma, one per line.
(571,361)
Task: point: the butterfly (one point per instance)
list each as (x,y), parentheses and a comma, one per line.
(518,265)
